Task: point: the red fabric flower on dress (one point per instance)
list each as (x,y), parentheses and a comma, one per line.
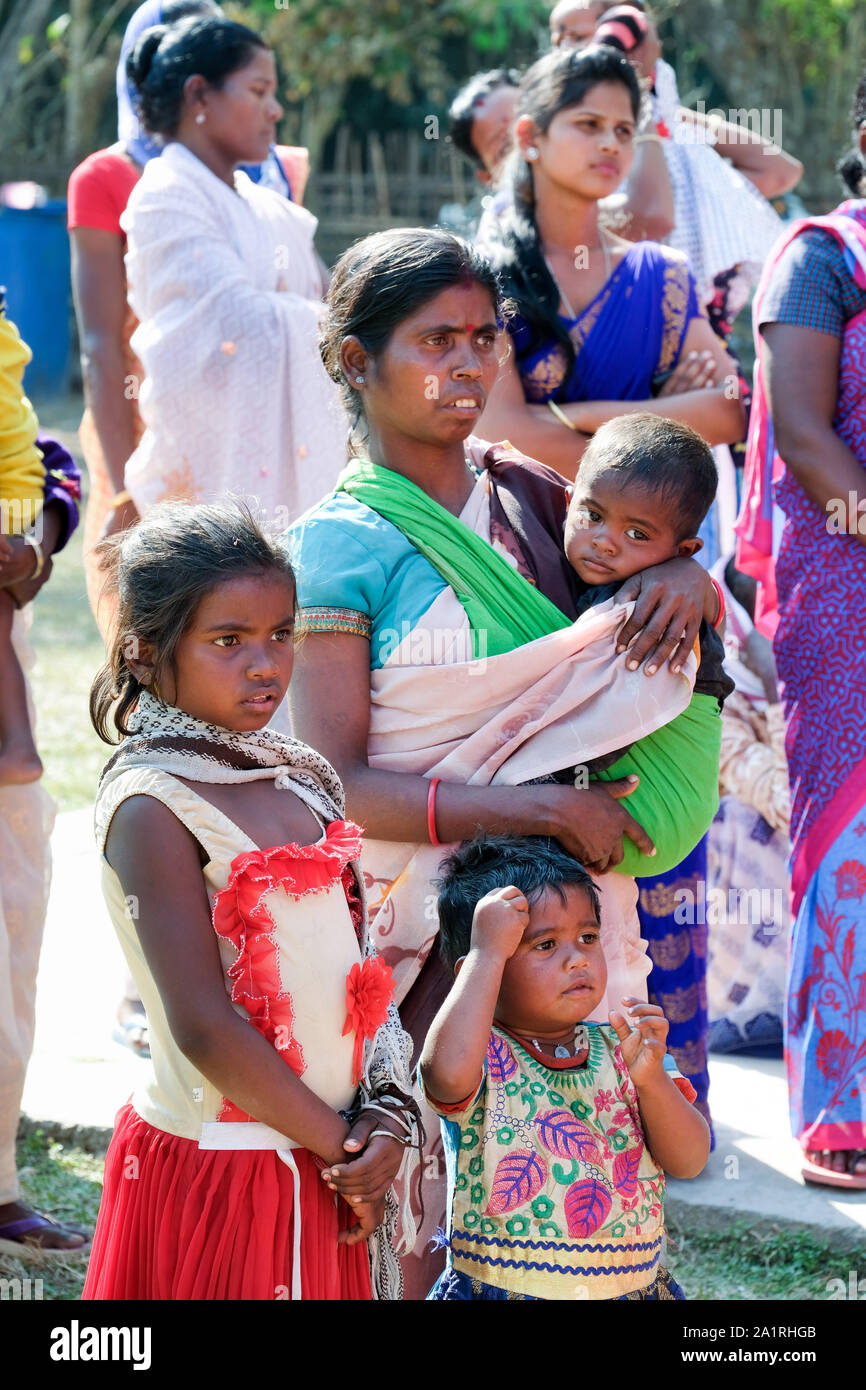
(369,991)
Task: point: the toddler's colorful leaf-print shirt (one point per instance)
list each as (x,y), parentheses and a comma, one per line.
(552,1192)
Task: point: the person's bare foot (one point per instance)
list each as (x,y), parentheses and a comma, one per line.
(43,1233)
(19,763)
(839,1160)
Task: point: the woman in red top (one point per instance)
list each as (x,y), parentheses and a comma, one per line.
(99,190)
(111,427)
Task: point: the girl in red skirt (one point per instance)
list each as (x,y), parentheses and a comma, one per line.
(279,1073)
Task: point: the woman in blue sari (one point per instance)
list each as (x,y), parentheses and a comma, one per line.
(601,327)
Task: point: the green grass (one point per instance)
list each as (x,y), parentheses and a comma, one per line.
(68,653)
(741,1263)
(66,1184)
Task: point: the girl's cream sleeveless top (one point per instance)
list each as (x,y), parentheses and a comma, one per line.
(296,957)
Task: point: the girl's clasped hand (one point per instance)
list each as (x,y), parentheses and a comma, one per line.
(373,1161)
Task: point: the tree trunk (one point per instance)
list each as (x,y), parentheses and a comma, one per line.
(26,17)
(73,139)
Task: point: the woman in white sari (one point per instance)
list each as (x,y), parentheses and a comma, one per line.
(227,288)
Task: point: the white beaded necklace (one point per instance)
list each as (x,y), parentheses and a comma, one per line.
(579,1042)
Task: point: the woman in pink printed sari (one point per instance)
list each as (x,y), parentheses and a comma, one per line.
(803,537)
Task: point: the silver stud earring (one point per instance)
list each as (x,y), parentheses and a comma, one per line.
(359,380)
(532,152)
(200,118)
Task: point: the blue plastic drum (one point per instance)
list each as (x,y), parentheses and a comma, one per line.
(34,267)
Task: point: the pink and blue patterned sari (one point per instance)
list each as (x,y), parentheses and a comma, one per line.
(812,598)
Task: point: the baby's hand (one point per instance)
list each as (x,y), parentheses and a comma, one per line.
(643,1050)
(499,921)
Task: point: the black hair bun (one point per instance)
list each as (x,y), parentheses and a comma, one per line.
(853,171)
(140,60)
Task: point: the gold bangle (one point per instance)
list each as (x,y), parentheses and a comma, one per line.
(647,135)
(561,416)
(120,499)
(38,552)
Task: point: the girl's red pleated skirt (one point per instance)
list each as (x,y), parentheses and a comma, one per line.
(180,1222)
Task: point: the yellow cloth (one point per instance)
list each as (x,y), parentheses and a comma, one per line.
(22,473)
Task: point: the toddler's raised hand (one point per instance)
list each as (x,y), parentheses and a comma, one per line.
(499,921)
(643,1049)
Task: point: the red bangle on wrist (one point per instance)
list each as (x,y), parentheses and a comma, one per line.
(721,597)
(431,811)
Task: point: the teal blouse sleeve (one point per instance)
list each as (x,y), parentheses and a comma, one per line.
(358,573)
(341,583)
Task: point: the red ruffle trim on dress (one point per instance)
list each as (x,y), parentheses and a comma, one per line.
(241,916)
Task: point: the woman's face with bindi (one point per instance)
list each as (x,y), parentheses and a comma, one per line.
(240,117)
(431,380)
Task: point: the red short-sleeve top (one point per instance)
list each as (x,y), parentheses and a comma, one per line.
(99,190)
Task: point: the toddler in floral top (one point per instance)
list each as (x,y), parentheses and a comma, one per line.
(557,1130)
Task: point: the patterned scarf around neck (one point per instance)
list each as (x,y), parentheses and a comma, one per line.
(166,738)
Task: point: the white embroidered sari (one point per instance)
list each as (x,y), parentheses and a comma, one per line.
(227,289)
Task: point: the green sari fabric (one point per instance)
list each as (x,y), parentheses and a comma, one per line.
(505,611)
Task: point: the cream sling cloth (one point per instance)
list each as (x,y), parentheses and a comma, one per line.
(227,290)
(504,720)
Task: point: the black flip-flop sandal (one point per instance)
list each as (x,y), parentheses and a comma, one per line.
(13,1239)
